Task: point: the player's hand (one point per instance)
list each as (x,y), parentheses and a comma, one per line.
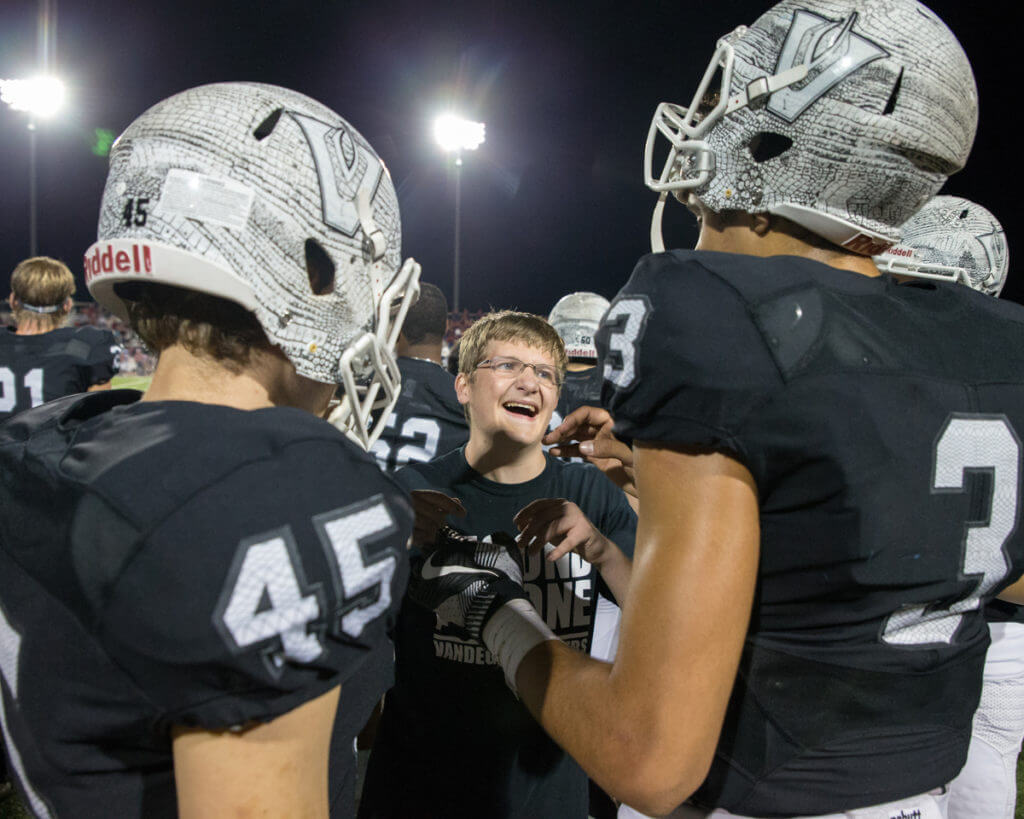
(562,523)
(465,580)
(591,429)
(431,509)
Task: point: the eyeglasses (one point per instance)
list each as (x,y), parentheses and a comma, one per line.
(513,367)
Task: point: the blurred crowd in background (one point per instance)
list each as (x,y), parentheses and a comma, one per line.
(135,359)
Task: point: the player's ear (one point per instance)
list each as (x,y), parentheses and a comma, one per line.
(12,301)
(761,223)
(67,305)
(462,388)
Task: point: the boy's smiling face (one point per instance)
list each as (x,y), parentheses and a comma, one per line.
(516,406)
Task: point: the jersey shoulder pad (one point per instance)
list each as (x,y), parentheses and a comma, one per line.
(684,360)
(428,389)
(442,471)
(264,587)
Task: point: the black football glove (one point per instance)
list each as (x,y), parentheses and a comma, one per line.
(464,580)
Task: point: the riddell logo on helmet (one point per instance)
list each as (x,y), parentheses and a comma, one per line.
(138,260)
(866,245)
(900,251)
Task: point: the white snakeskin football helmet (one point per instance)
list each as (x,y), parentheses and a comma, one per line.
(265,197)
(952,239)
(844,116)
(576,318)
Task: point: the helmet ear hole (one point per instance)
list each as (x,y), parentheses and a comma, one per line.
(266,128)
(319,268)
(768,145)
(890,104)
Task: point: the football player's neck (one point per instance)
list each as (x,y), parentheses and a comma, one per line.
(762,234)
(425,351)
(268,380)
(35,327)
(503,460)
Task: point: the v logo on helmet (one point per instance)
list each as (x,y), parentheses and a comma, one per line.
(995,249)
(830,50)
(344,167)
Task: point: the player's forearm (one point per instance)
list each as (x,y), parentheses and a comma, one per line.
(610,728)
(616,570)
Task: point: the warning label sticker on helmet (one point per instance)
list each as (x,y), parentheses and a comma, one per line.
(205,198)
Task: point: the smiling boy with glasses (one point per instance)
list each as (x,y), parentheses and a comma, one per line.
(453,741)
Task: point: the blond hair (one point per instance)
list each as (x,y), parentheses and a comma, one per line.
(41,286)
(510,325)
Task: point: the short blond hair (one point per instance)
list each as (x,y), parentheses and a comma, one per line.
(45,284)
(510,325)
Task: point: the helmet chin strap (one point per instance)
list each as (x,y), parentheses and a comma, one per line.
(657,242)
(374,235)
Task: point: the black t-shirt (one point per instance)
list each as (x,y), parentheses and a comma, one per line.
(39,368)
(174,563)
(427,420)
(453,741)
(881,423)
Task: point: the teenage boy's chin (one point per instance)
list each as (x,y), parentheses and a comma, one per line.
(527,434)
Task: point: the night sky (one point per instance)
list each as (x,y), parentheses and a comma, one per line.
(554,201)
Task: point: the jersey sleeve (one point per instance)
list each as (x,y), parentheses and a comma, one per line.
(265,590)
(102,364)
(684,362)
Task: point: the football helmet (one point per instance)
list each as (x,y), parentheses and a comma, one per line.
(265,197)
(952,239)
(575,318)
(844,116)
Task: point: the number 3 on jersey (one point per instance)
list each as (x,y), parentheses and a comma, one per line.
(625,321)
(267,598)
(976,443)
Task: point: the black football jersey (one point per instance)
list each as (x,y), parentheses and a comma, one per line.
(581,388)
(427,420)
(39,368)
(881,422)
(180,564)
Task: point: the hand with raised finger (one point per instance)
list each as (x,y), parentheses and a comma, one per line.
(563,524)
(582,424)
(432,509)
(587,433)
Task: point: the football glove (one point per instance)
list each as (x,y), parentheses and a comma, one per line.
(464,580)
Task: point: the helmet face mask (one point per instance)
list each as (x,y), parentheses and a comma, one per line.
(951,239)
(576,318)
(842,116)
(264,197)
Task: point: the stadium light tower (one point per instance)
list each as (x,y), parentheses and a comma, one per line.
(455,134)
(40,97)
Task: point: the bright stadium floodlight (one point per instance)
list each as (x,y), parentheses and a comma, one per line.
(457,134)
(39,96)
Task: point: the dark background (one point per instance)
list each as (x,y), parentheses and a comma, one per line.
(554,201)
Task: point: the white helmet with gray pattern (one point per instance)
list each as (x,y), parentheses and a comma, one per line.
(844,116)
(576,318)
(265,197)
(951,239)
